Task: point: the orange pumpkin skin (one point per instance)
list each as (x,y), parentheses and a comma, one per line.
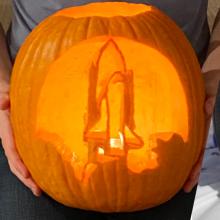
(107,106)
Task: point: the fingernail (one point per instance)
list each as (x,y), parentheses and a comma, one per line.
(210,106)
(187,189)
(36,192)
(209,109)
(23,172)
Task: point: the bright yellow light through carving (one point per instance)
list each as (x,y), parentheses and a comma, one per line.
(106,124)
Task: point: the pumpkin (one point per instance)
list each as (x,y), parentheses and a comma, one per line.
(107,106)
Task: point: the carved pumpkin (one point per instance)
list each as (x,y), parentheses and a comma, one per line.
(106,106)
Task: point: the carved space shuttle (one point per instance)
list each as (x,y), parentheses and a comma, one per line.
(109,122)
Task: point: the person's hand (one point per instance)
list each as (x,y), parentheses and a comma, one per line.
(15,163)
(211,79)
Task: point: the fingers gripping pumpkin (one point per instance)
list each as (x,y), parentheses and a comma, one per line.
(106,106)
